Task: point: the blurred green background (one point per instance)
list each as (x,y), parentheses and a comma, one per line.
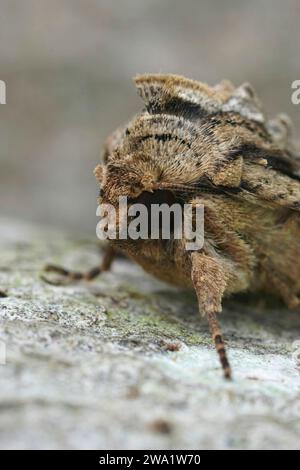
(68,65)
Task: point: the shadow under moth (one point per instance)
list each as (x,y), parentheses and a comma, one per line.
(211,146)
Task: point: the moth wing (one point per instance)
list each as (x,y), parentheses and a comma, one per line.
(267,170)
(245,102)
(269,177)
(177,95)
(266,186)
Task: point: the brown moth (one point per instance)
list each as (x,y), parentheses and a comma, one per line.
(211,146)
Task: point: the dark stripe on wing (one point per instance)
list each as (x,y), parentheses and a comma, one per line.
(177,106)
(165,137)
(276,159)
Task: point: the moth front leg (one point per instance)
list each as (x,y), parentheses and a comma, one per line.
(209,280)
(67,276)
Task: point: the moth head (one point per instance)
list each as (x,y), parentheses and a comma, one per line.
(139,183)
(128,176)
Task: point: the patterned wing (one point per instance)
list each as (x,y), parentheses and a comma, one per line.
(242,150)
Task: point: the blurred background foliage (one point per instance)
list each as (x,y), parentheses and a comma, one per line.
(68,67)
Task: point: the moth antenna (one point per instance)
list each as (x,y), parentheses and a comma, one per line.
(219,343)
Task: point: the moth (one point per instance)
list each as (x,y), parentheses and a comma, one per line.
(212,146)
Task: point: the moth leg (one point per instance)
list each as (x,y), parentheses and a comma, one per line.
(67,276)
(285,291)
(283,284)
(289,297)
(209,280)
